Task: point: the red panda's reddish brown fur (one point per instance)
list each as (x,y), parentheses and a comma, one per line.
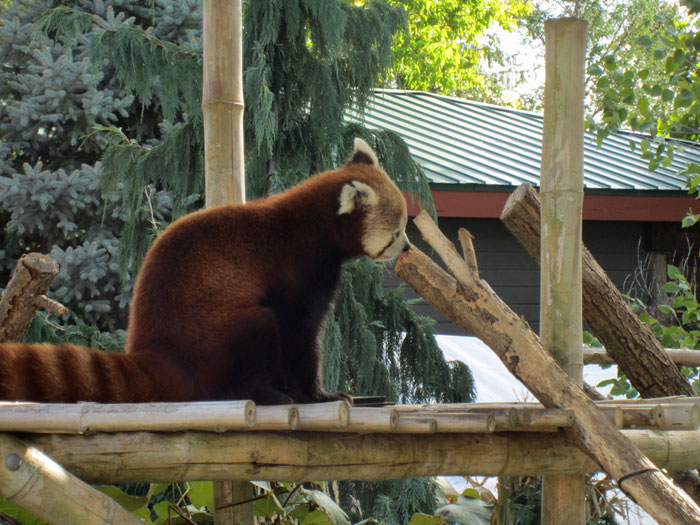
(230,301)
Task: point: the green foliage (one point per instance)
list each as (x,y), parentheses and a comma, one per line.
(650,84)
(448,38)
(57,87)
(613,29)
(394,353)
(681,326)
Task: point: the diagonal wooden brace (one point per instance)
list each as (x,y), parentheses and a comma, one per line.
(34,481)
(476,308)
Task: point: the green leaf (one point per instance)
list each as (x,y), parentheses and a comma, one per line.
(201,494)
(425,519)
(316,517)
(689,220)
(665,309)
(673,272)
(644,41)
(130,503)
(643,107)
(603,83)
(471,493)
(268,506)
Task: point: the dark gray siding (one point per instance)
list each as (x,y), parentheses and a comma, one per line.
(512,273)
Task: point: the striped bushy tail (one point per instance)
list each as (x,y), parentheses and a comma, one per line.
(68,373)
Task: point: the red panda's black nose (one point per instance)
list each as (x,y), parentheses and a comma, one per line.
(406,247)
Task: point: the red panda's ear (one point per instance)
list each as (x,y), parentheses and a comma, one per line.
(363,154)
(354,195)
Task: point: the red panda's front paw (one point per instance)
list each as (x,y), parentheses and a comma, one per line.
(336,396)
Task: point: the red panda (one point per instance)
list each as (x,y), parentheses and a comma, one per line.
(230,301)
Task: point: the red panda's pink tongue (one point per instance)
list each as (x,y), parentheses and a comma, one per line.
(404,254)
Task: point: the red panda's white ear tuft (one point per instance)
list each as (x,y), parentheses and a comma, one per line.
(354,195)
(363,154)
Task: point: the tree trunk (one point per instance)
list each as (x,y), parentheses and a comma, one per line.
(629,342)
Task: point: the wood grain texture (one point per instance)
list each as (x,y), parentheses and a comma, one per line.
(481,312)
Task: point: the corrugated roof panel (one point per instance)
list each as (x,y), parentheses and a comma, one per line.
(458,141)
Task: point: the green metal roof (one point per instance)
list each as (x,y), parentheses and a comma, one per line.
(472,144)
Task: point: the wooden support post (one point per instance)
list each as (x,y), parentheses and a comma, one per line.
(222,102)
(561,180)
(222,112)
(34,481)
(478,310)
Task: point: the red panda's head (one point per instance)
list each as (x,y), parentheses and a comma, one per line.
(384,207)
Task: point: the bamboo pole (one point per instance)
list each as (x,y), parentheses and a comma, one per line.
(84,418)
(309,456)
(222,113)
(481,312)
(276,417)
(333,416)
(679,356)
(378,419)
(37,483)
(561,181)
(222,102)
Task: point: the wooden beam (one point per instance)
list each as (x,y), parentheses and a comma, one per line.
(612,206)
(37,483)
(679,356)
(309,456)
(482,313)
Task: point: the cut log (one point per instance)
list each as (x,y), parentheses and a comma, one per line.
(630,343)
(478,310)
(25,293)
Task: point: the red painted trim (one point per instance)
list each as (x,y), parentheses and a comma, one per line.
(489,204)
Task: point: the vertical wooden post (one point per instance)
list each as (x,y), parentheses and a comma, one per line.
(561,180)
(222,102)
(222,111)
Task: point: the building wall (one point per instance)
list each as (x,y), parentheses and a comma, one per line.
(510,271)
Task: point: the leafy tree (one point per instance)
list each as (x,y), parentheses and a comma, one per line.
(613,27)
(452,39)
